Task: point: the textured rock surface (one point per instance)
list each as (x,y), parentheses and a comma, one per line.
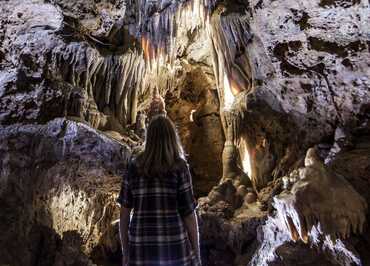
(276,246)
(320,200)
(316,71)
(196,112)
(59,182)
(228,227)
(283,75)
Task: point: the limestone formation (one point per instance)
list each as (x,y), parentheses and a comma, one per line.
(321,202)
(58,190)
(251,86)
(334,241)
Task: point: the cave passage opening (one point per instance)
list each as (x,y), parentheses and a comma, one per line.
(194,107)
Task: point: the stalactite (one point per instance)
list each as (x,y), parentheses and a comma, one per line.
(159,24)
(114,82)
(230,36)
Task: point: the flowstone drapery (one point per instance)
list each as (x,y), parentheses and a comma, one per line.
(230,35)
(320,203)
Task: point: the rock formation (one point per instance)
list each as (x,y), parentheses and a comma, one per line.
(252,86)
(321,199)
(58,189)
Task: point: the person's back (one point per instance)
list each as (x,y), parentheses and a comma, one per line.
(159,190)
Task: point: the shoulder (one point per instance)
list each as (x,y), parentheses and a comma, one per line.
(136,159)
(135,165)
(132,164)
(183,175)
(181,166)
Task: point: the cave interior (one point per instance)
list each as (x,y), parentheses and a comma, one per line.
(271,100)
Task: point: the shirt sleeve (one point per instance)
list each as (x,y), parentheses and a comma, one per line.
(185,195)
(125,195)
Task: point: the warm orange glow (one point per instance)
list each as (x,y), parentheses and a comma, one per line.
(236,83)
(154,54)
(145,47)
(234,87)
(150,52)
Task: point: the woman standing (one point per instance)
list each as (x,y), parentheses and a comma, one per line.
(163,230)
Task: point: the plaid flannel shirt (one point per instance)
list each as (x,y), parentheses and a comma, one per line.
(157,236)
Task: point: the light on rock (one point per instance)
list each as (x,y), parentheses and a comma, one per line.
(246,163)
(191,115)
(229,97)
(245,158)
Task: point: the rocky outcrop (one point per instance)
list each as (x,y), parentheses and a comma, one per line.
(59,182)
(228,225)
(323,200)
(279,246)
(300,53)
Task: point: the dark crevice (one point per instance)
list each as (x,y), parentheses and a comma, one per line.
(335,48)
(118,44)
(339,3)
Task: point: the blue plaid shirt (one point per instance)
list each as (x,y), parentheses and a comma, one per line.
(157,236)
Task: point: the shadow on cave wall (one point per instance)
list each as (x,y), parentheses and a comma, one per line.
(60,206)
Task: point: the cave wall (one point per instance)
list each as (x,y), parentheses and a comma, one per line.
(310,59)
(81,48)
(58,189)
(195,108)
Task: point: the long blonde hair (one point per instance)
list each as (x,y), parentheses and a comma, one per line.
(163,150)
